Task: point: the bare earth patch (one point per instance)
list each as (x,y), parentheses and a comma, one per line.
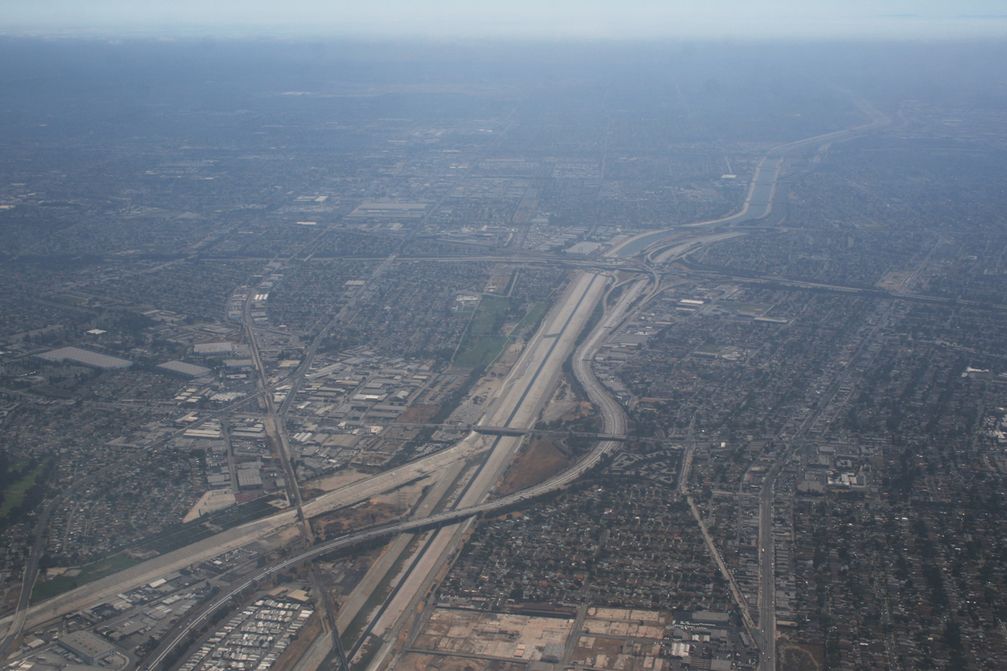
(537,460)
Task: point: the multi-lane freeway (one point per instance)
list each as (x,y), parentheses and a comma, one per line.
(524,392)
(517,406)
(141,574)
(758,202)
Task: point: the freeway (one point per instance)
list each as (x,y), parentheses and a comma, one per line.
(230,539)
(513,412)
(526,389)
(762,190)
(539,368)
(364,536)
(658,248)
(16,622)
(860,290)
(544,354)
(758,203)
(517,405)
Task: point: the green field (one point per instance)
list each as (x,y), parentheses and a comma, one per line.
(531,319)
(88,573)
(14,493)
(483,341)
(180,535)
(172,538)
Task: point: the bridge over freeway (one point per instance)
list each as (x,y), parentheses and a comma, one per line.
(514,431)
(493,430)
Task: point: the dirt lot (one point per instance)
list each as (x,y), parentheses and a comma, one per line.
(617,638)
(334,481)
(414,661)
(538,459)
(339,522)
(799,657)
(612,653)
(504,636)
(419,413)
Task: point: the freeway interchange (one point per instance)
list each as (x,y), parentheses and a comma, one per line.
(529,385)
(523,394)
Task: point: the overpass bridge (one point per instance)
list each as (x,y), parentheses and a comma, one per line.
(514,431)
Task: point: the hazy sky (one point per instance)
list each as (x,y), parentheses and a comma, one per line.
(520,18)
